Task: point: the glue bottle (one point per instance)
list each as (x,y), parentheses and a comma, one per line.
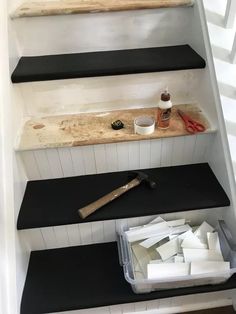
(164,110)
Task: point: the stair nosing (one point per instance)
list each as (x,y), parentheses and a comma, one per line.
(106,63)
(31,9)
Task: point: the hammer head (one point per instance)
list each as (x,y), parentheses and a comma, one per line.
(142,176)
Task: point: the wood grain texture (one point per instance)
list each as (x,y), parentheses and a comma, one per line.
(61,7)
(95,128)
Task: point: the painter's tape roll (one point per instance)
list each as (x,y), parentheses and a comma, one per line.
(144,125)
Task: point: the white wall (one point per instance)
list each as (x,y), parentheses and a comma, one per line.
(7,221)
(14,259)
(108,93)
(102,31)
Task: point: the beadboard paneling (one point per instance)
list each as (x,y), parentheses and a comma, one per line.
(102,231)
(65,162)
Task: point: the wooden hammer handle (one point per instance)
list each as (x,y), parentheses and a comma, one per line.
(91,208)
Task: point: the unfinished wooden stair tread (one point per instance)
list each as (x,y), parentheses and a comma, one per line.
(106,63)
(59,7)
(95,128)
(56,202)
(86,277)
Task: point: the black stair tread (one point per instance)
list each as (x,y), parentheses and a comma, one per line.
(56,201)
(86,277)
(103,63)
(219,310)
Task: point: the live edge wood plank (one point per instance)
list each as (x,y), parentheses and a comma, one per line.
(59,7)
(95,128)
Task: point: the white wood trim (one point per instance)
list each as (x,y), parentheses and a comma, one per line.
(8,284)
(220,161)
(230,13)
(233,52)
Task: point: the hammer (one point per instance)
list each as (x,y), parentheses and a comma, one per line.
(91,208)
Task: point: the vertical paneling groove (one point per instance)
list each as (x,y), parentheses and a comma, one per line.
(200,150)
(97,232)
(54,163)
(140,306)
(115,309)
(134,156)
(177,151)
(111,157)
(86,233)
(89,159)
(156,151)
(43,164)
(189,144)
(49,237)
(128,308)
(61,236)
(123,157)
(73,235)
(100,158)
(30,164)
(144,153)
(66,162)
(153,305)
(109,229)
(133,222)
(78,160)
(166,152)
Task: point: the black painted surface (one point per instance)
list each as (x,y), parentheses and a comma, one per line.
(56,201)
(86,277)
(118,62)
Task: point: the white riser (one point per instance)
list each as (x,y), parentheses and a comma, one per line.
(165,306)
(103,31)
(66,162)
(103,231)
(111,93)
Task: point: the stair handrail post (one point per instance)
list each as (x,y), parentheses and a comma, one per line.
(230,13)
(233,51)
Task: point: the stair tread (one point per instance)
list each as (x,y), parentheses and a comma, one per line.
(59,7)
(75,278)
(219,310)
(105,63)
(95,128)
(56,201)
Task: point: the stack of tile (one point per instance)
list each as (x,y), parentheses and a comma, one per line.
(167,249)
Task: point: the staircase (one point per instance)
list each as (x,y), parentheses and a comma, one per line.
(76,66)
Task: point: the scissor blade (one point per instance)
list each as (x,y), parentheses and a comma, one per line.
(181,113)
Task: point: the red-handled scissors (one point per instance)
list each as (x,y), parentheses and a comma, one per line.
(191,125)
